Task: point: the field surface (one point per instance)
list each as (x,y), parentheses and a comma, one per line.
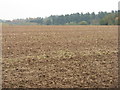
(60,56)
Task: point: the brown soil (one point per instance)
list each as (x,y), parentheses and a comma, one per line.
(60,56)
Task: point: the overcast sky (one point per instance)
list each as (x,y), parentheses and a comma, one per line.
(12,9)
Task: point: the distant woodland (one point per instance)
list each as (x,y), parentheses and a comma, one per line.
(102,18)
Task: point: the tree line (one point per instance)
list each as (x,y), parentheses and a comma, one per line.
(101,18)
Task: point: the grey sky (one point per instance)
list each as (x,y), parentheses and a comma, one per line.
(12,9)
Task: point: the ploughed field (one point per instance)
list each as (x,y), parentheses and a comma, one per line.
(60,56)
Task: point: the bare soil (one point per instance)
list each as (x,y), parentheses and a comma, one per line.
(60,56)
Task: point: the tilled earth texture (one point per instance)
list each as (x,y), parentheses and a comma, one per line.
(60,56)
